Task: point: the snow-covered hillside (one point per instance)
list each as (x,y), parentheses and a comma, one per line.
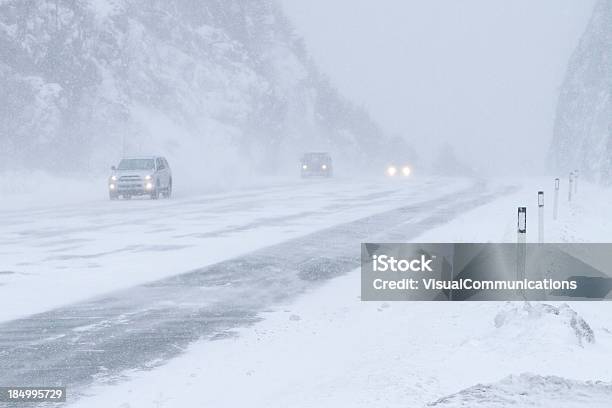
(583,128)
(204,82)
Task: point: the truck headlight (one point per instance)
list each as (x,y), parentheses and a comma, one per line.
(111,186)
(148,177)
(304,166)
(406,171)
(324,167)
(149,186)
(114,178)
(391,170)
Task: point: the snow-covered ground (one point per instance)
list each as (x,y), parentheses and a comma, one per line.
(329,349)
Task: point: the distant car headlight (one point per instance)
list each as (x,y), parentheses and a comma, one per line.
(391,171)
(111,186)
(149,186)
(304,166)
(406,171)
(114,178)
(324,167)
(148,177)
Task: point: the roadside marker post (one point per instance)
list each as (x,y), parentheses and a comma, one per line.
(556,203)
(575,182)
(521,244)
(540,217)
(571,185)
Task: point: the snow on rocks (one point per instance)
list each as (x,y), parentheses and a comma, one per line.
(528,390)
(536,320)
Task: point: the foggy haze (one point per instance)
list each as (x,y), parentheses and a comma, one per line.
(482,75)
(224,90)
(197,198)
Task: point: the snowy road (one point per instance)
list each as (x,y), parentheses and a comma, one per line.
(51,257)
(142,325)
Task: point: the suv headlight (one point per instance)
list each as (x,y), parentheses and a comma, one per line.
(114,178)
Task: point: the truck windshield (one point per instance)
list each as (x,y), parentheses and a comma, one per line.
(137,164)
(316,157)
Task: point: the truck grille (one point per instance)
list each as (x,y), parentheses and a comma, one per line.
(130,182)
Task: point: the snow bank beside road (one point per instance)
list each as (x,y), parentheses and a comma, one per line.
(36,189)
(527,390)
(584,219)
(527,322)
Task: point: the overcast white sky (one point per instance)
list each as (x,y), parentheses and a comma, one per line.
(480,74)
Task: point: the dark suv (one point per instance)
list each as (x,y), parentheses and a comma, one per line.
(316,165)
(137,176)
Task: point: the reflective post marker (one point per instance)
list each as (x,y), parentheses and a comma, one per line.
(571,185)
(521,245)
(576,182)
(540,217)
(556,203)
(522,222)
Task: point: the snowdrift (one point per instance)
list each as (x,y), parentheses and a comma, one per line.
(528,390)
